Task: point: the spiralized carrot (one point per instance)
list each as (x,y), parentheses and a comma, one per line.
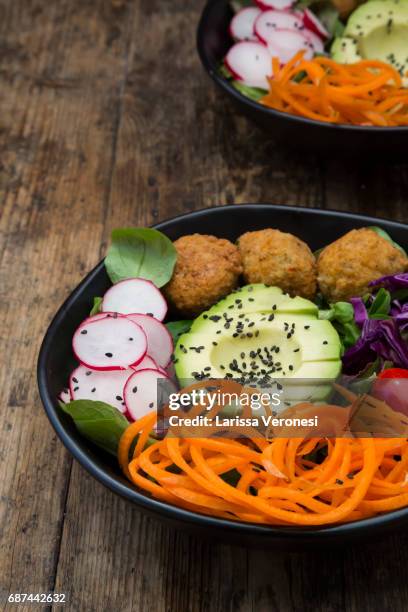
(365,93)
(278,482)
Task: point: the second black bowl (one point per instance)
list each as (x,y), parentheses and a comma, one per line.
(213,42)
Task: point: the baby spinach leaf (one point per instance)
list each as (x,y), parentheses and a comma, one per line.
(96,308)
(255,93)
(98,422)
(177,328)
(140,252)
(381,304)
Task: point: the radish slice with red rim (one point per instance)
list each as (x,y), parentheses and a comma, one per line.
(159,340)
(315,40)
(270,21)
(313,23)
(100,315)
(145,391)
(65,396)
(147,363)
(251,63)
(287,43)
(242,24)
(279,5)
(109,344)
(135,295)
(99,386)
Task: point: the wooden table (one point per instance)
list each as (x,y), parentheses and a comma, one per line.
(108,120)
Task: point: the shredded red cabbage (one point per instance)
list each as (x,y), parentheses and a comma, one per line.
(360,311)
(392,282)
(379,338)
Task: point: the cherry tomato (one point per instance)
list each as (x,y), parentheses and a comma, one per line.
(393,390)
(393,373)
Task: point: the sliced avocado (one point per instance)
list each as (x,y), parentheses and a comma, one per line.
(257,298)
(344,50)
(379,29)
(258,345)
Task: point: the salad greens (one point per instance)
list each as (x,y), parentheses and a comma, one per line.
(255,93)
(96,308)
(100,423)
(341,315)
(177,328)
(140,253)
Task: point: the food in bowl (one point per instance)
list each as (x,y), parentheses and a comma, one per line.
(129,346)
(320,65)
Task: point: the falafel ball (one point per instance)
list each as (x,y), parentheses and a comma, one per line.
(348,265)
(207,269)
(278,259)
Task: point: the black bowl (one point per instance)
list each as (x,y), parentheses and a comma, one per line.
(213,42)
(56,362)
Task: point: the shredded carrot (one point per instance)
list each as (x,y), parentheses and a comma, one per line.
(276,482)
(365,93)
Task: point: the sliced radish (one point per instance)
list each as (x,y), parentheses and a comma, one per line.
(279,5)
(65,396)
(313,23)
(315,40)
(170,371)
(159,340)
(135,295)
(287,43)
(109,344)
(99,386)
(141,392)
(251,63)
(242,24)
(147,363)
(99,315)
(270,21)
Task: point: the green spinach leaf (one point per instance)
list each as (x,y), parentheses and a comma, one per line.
(98,422)
(177,328)
(381,305)
(96,308)
(140,253)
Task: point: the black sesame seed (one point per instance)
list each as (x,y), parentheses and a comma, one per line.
(151,405)
(109,354)
(93,390)
(84,331)
(119,398)
(134,390)
(75,380)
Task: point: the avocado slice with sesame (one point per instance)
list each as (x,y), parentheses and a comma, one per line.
(376,30)
(257,298)
(261,346)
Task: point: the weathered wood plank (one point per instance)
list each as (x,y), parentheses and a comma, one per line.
(61,70)
(109,120)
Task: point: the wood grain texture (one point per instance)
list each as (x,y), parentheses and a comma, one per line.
(108,120)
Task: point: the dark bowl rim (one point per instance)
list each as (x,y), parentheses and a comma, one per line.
(290,534)
(223,83)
